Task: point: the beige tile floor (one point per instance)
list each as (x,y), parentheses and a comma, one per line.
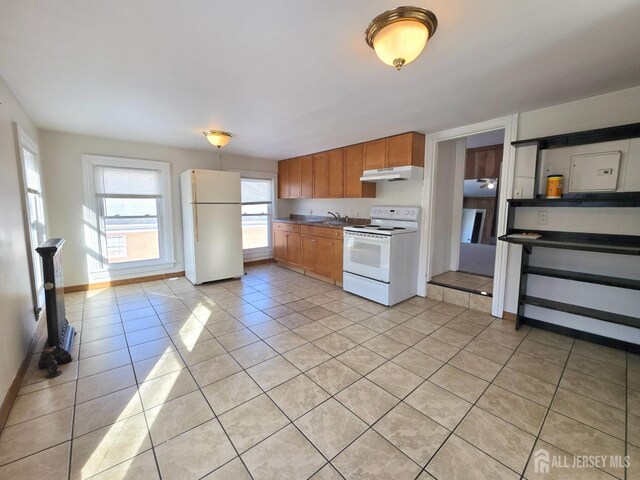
(468,281)
(281,376)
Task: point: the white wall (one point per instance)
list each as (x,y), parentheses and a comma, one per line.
(62,168)
(617,108)
(17,321)
(399,194)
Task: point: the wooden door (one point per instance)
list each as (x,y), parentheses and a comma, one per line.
(336,173)
(337,260)
(353,168)
(324,264)
(404,150)
(279,245)
(294,177)
(309,252)
(306,176)
(293,248)
(283,179)
(374,154)
(321,175)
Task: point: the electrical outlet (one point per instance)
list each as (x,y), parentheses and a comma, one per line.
(542,217)
(517,193)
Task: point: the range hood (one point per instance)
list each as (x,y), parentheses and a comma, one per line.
(393,174)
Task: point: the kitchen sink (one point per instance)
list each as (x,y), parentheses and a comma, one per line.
(335,223)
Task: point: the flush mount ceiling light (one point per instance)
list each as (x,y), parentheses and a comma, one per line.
(399,35)
(218,138)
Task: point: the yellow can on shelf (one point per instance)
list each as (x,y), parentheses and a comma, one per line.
(555,184)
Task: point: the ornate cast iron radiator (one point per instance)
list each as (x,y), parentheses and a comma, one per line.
(59,333)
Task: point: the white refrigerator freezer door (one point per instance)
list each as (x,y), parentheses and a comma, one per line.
(212,186)
(218,242)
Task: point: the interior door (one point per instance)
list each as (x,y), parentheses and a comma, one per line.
(218,242)
(468,219)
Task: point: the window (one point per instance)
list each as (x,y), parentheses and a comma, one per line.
(130,201)
(35,212)
(257,201)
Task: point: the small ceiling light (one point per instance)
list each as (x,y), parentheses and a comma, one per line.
(218,138)
(399,35)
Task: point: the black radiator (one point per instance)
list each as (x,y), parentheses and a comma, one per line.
(59,333)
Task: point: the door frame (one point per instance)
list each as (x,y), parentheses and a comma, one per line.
(510,125)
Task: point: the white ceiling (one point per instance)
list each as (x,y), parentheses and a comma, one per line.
(295,76)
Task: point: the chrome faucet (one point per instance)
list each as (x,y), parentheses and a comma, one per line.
(335,215)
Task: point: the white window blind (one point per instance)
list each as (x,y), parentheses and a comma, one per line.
(128,182)
(256,197)
(31,172)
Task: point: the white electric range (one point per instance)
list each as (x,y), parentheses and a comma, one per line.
(381,259)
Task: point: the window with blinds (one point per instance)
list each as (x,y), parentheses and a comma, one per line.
(257,202)
(35,213)
(128,202)
(131,200)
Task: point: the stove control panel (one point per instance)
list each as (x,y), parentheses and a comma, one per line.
(396,213)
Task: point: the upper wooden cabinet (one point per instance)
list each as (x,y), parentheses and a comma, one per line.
(306,176)
(397,151)
(294,177)
(483,162)
(374,154)
(321,175)
(353,168)
(405,149)
(336,173)
(283,179)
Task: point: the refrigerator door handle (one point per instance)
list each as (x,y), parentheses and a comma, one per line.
(195,220)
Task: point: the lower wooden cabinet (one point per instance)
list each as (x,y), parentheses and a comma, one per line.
(286,243)
(318,250)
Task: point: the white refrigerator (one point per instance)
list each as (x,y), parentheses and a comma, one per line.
(212,225)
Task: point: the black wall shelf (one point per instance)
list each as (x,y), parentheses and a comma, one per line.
(612,200)
(585,277)
(588,242)
(608,134)
(586,137)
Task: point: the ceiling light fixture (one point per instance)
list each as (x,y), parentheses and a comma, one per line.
(489,183)
(399,35)
(218,138)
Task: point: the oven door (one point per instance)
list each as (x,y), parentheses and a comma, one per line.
(367,254)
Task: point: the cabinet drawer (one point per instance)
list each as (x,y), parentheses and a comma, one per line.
(325,232)
(286,227)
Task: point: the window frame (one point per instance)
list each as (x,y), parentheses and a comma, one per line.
(95,232)
(25,142)
(261,253)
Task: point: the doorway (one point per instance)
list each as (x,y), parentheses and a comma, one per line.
(466,252)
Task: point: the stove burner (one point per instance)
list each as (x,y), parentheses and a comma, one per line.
(386,228)
(372,226)
(399,228)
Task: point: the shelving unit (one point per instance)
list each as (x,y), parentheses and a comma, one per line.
(580,241)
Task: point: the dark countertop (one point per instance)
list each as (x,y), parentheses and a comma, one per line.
(319,221)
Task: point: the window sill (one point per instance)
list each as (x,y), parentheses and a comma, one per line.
(128,272)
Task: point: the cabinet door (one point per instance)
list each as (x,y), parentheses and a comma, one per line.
(404,150)
(309,252)
(336,174)
(306,176)
(337,260)
(470,165)
(294,177)
(279,245)
(321,175)
(293,248)
(374,154)
(283,179)
(324,264)
(353,168)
